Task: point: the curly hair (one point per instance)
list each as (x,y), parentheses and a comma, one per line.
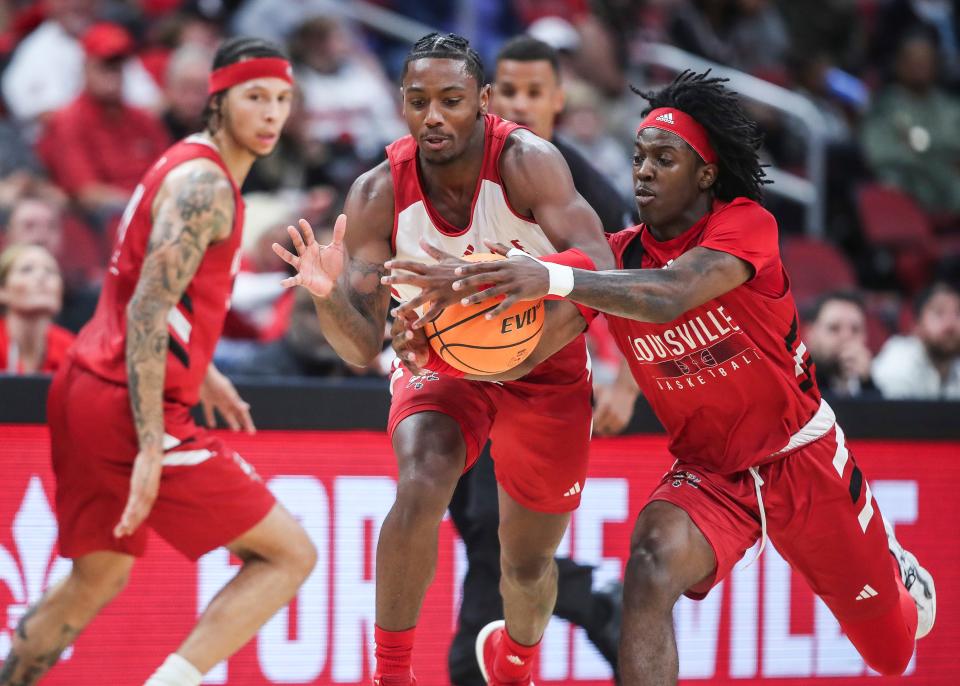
(733,135)
(446,46)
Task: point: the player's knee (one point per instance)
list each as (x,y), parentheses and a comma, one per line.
(101,585)
(648,578)
(883,653)
(420,503)
(433,454)
(526,569)
(889,660)
(424,491)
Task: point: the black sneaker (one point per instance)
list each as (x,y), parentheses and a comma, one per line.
(606,635)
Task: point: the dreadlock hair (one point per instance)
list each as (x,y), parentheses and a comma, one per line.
(231,51)
(733,135)
(446,46)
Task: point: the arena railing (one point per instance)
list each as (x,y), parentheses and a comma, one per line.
(807,190)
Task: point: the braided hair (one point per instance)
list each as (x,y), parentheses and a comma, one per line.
(446,46)
(231,51)
(733,135)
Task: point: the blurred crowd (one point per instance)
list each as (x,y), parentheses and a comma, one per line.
(94,90)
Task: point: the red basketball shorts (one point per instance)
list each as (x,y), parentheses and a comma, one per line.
(540,430)
(208,495)
(820,514)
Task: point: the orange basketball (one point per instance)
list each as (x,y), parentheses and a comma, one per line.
(467,340)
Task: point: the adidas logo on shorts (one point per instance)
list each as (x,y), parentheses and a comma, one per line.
(867,593)
(573,490)
(666,118)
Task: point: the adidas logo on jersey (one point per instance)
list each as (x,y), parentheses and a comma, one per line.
(867,593)
(573,490)
(515,660)
(666,118)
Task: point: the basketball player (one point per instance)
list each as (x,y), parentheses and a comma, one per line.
(461,177)
(126,453)
(527,89)
(701,308)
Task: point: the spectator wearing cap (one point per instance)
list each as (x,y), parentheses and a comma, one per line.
(46,71)
(926,364)
(98,147)
(836,337)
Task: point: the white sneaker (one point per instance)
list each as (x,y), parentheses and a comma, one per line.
(917,581)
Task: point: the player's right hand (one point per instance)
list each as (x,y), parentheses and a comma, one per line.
(144,486)
(410,344)
(318,266)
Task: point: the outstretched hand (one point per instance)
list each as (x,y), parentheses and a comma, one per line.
(318,266)
(434,281)
(515,278)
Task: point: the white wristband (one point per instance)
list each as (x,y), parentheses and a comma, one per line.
(561,276)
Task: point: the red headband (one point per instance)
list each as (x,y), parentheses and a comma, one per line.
(258,68)
(683,125)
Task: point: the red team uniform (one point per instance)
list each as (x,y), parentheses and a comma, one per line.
(208,495)
(758,452)
(539,425)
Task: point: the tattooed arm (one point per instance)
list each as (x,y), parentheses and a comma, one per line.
(344,276)
(647,295)
(661,295)
(194,207)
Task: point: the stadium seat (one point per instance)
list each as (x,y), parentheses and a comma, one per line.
(894,223)
(815,267)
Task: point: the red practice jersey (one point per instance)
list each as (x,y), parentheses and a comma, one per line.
(492,218)
(195,323)
(730,380)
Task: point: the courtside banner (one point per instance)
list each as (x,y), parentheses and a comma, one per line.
(762,625)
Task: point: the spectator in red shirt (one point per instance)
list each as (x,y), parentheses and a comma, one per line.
(98,147)
(31,293)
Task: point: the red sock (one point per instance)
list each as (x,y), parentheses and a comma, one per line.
(514,661)
(394,651)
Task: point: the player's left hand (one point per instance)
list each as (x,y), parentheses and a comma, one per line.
(516,278)
(217,393)
(410,344)
(434,281)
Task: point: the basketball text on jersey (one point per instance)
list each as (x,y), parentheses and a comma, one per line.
(696,351)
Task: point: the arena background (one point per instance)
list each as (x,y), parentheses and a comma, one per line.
(812,73)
